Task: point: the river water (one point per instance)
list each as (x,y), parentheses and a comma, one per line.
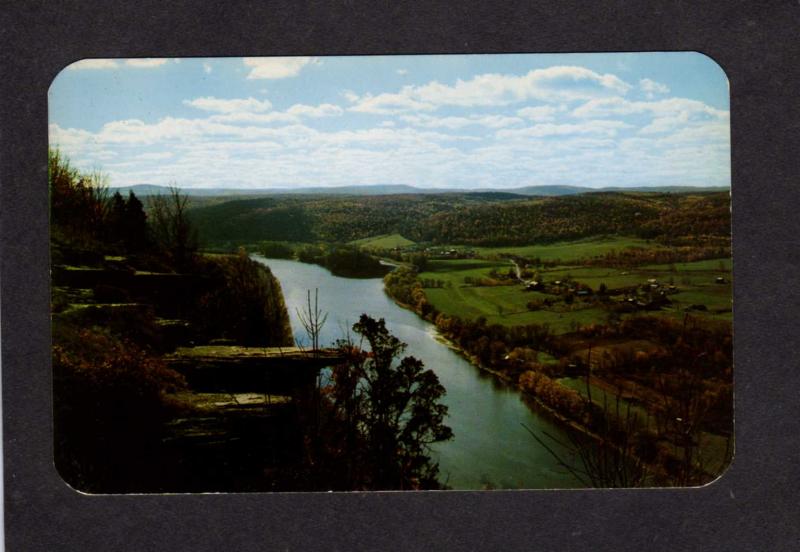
(491,448)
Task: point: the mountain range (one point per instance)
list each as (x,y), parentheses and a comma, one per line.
(396,189)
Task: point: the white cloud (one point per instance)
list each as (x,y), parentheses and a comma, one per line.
(402,71)
(542,113)
(554,84)
(219,105)
(322,110)
(388,104)
(652,88)
(277,67)
(254,118)
(207,67)
(154,156)
(229,149)
(607,128)
(146,63)
(94,64)
(661,108)
(490,121)
(536,134)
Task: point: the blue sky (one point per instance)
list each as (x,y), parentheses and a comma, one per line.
(465,121)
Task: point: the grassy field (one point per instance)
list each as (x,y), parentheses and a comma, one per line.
(507,304)
(685,276)
(388,241)
(566,251)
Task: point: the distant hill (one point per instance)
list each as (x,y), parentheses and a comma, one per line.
(398,189)
(465,218)
(549,191)
(373,189)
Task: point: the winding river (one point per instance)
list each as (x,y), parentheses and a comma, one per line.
(491,448)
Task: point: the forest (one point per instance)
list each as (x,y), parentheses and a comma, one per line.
(475,219)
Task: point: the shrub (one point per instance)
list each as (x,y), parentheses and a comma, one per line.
(110,404)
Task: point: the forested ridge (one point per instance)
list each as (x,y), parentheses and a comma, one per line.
(467,219)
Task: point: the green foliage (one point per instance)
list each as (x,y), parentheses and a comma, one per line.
(275,250)
(342,260)
(420,261)
(245,304)
(468,219)
(127,223)
(388,412)
(78,201)
(83,215)
(253,220)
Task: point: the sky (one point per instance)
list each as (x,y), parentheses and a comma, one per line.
(432,121)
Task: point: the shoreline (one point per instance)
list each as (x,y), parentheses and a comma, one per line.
(475,362)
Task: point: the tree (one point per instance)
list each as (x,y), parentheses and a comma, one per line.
(136,233)
(391,411)
(312,319)
(127,223)
(78,201)
(171,226)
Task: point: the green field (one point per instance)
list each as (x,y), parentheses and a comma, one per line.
(686,276)
(711,265)
(387,241)
(507,304)
(566,251)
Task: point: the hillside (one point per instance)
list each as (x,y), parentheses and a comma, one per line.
(469,219)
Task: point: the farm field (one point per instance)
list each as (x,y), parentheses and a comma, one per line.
(387,241)
(567,251)
(465,288)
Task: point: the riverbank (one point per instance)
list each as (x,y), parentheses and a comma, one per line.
(475,362)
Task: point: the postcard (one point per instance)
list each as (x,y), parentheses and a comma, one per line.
(357,273)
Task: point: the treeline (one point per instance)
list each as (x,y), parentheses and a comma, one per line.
(468,219)
(342,260)
(638,256)
(83,212)
(86,217)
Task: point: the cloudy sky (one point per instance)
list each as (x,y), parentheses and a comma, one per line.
(467,121)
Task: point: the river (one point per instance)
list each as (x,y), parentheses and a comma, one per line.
(491,448)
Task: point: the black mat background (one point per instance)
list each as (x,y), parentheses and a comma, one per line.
(753,507)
